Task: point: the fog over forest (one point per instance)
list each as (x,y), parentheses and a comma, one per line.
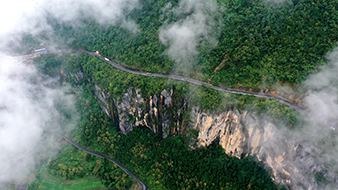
(29,105)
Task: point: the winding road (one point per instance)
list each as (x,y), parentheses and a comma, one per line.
(194,81)
(144,186)
(175,77)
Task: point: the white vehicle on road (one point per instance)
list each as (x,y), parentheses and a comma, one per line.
(106,59)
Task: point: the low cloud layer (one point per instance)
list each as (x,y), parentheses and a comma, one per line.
(312,150)
(322,90)
(27,110)
(29,16)
(198,19)
(28,107)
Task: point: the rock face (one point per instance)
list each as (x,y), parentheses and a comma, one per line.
(159,113)
(240,133)
(162,113)
(291,161)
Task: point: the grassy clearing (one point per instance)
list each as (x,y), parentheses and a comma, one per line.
(51,182)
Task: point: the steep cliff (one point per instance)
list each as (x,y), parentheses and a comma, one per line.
(291,161)
(158,112)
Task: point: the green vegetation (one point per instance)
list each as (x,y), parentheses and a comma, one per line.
(161,164)
(53,183)
(320,179)
(268,42)
(264,42)
(116,82)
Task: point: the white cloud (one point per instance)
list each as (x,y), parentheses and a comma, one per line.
(322,92)
(29,16)
(197,24)
(27,108)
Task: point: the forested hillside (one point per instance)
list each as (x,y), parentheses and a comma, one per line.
(161,164)
(256,44)
(263,42)
(260,43)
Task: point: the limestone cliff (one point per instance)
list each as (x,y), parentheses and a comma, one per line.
(162,113)
(290,161)
(156,112)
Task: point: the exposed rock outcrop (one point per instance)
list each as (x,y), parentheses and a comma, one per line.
(293,162)
(157,112)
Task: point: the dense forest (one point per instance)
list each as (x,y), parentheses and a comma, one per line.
(116,82)
(263,42)
(161,164)
(260,44)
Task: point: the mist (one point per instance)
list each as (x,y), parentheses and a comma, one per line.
(196,24)
(28,109)
(31,104)
(322,115)
(310,150)
(19,17)
(322,91)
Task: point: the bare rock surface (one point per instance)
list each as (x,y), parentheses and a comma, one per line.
(291,161)
(131,110)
